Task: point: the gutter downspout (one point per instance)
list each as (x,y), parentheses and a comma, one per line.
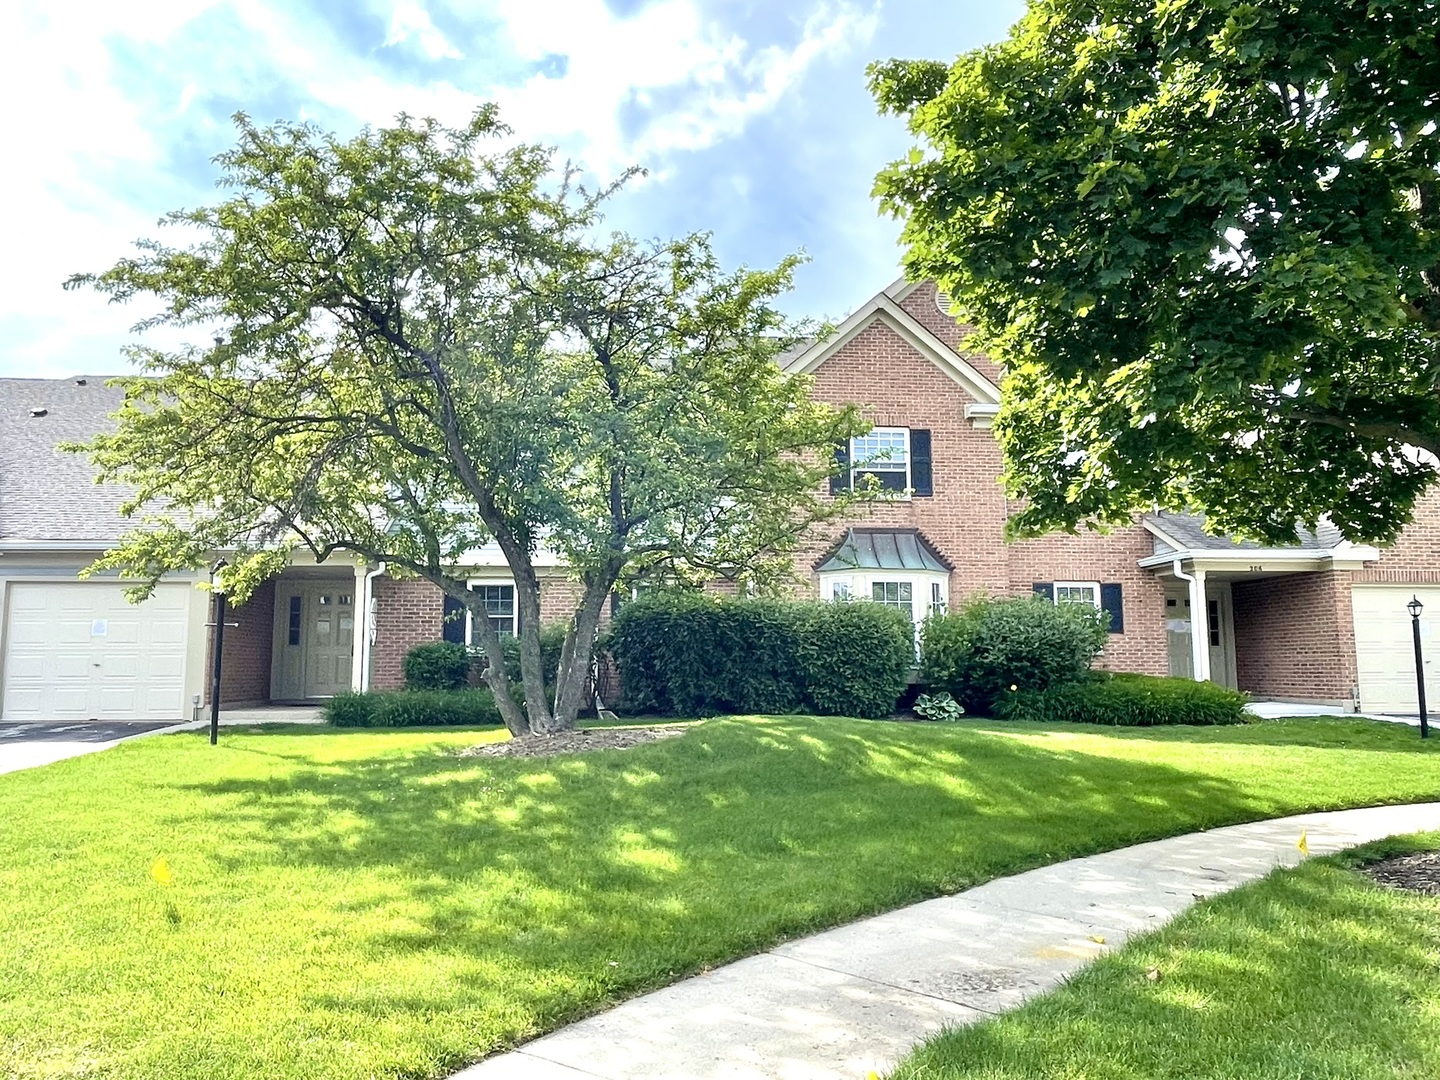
(1199,639)
(367,640)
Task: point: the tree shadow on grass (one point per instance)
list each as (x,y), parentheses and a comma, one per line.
(542,889)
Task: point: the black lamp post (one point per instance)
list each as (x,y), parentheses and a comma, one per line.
(1415,607)
(218,589)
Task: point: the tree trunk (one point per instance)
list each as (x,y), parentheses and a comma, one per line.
(532,666)
(510,710)
(579,648)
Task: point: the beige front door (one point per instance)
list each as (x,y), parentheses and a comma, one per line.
(314,640)
(1216,622)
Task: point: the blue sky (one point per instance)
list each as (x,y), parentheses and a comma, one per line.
(751,117)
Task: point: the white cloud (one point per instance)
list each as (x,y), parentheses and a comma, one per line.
(93,133)
(410,21)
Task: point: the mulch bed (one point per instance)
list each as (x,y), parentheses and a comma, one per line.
(1418,872)
(574,742)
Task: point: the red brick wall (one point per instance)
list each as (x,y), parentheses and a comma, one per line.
(245,666)
(1112,557)
(965,519)
(921,305)
(1295,636)
(1415,556)
(407,612)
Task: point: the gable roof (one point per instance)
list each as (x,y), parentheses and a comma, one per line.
(883,549)
(45,493)
(883,309)
(1188,532)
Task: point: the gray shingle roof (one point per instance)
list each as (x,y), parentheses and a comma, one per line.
(46,494)
(1190,531)
(883,549)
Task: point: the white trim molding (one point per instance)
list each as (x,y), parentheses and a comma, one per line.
(885,311)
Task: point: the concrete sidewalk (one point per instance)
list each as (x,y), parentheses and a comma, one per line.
(858,998)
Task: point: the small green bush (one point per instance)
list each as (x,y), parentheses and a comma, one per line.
(1128,701)
(412,708)
(687,654)
(437,665)
(987,646)
(939,706)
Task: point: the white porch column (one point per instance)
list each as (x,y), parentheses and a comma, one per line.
(358,640)
(1199,628)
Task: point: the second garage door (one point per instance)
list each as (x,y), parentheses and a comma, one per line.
(81,651)
(1385,646)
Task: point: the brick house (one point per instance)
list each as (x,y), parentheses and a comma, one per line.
(1320,621)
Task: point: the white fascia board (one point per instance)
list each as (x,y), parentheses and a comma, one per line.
(900,288)
(43,547)
(882,309)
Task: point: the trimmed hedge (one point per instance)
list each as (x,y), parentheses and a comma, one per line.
(437,665)
(687,654)
(1128,701)
(412,708)
(978,652)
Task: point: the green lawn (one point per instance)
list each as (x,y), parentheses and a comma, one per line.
(365,904)
(1310,974)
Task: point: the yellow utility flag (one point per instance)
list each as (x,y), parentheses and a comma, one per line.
(1304,844)
(160,871)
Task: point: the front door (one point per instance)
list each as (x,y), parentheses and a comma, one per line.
(315,640)
(1216,623)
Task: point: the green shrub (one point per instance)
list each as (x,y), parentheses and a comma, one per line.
(1128,701)
(412,708)
(939,706)
(855,659)
(689,654)
(437,665)
(988,646)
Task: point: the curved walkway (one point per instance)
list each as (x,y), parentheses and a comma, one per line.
(849,1000)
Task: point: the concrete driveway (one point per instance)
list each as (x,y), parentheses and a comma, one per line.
(23,746)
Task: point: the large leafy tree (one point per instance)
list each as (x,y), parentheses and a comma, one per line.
(419,347)
(1204,235)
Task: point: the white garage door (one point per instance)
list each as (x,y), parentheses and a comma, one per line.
(1385,647)
(83,652)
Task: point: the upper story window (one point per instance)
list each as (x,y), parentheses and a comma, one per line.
(884,454)
(897,457)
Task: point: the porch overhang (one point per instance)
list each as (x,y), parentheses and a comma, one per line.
(1247,562)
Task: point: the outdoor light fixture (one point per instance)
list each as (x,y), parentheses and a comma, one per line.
(1415,607)
(219,592)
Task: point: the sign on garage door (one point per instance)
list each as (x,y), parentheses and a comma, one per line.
(81,651)
(1385,646)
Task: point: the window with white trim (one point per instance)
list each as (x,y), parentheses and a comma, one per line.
(1078,592)
(896,594)
(840,589)
(499,602)
(937,599)
(883,453)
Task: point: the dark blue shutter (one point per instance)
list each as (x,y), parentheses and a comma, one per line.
(840,481)
(920,471)
(1112,601)
(452,625)
(1045,589)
